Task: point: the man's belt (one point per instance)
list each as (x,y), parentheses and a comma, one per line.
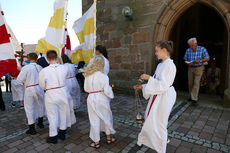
(196,65)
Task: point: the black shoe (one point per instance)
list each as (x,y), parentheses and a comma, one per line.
(31,130)
(189,100)
(61,134)
(194,103)
(40,123)
(53,140)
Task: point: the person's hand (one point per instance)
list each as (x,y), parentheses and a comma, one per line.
(197,61)
(137,87)
(19,68)
(145,77)
(190,64)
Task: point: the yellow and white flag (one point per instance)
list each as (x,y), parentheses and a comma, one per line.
(55,32)
(85,29)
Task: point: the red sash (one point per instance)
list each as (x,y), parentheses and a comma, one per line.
(94,92)
(70,77)
(54,88)
(32,85)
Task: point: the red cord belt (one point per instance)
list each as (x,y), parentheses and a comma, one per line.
(32,85)
(54,88)
(94,92)
(71,77)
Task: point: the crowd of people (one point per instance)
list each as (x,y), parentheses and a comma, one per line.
(48,87)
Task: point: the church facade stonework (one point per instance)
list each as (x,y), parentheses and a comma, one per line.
(130,44)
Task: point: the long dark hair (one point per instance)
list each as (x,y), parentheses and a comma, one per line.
(102,50)
(65,59)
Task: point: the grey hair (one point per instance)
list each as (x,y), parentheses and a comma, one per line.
(192,39)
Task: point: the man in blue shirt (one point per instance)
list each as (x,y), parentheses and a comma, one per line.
(195,57)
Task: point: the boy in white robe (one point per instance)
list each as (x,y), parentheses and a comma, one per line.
(162,96)
(53,80)
(98,101)
(71,82)
(34,95)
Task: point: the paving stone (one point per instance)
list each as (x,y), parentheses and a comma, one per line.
(175,142)
(183,150)
(213,151)
(199,149)
(12,150)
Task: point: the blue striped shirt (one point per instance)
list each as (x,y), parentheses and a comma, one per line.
(199,54)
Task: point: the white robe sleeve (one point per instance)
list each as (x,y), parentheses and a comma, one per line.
(42,83)
(158,85)
(22,76)
(145,95)
(107,88)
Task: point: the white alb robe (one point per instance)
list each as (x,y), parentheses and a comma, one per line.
(34,94)
(154,131)
(72,85)
(106,67)
(17,90)
(58,109)
(99,104)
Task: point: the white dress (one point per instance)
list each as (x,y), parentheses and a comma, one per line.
(34,94)
(59,112)
(99,104)
(154,131)
(72,85)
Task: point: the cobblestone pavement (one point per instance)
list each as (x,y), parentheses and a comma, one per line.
(200,129)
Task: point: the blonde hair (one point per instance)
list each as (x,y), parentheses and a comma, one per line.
(97,64)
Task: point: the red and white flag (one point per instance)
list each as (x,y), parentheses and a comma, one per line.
(8,63)
(67,44)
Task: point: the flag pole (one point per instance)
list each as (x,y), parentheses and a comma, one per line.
(95,26)
(63,31)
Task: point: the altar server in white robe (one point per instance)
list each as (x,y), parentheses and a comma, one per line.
(98,101)
(34,94)
(72,83)
(53,80)
(101,50)
(17,92)
(162,96)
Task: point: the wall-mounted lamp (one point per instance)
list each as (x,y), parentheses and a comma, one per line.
(127,12)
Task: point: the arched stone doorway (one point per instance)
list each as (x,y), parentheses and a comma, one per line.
(167,29)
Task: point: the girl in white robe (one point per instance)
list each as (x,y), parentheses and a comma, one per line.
(71,82)
(58,109)
(34,94)
(101,50)
(98,101)
(162,96)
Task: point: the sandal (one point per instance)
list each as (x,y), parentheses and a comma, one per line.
(111,140)
(94,145)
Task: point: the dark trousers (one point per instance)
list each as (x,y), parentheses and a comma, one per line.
(8,85)
(2,105)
